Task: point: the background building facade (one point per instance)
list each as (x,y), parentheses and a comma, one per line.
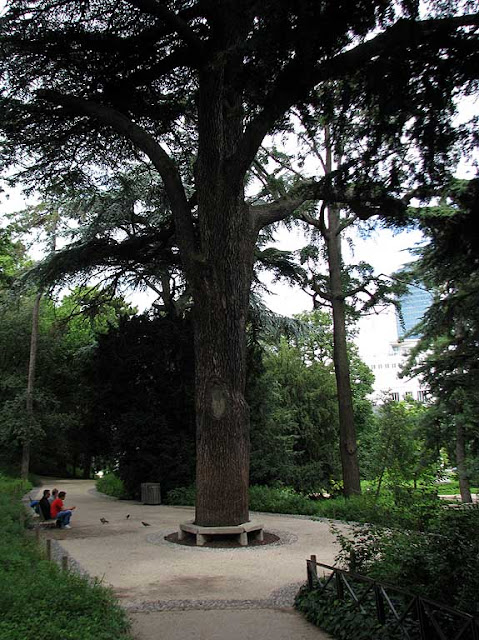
(385,341)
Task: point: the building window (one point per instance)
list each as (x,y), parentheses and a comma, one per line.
(394,396)
(408,394)
(422,396)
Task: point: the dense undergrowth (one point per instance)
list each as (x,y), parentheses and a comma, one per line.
(37,599)
(399,507)
(440,562)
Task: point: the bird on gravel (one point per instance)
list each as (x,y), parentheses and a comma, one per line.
(103,521)
(145,524)
(127,516)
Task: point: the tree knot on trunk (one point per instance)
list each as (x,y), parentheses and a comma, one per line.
(218,400)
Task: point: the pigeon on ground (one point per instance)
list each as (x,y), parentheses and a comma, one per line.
(127,516)
(103,521)
(145,524)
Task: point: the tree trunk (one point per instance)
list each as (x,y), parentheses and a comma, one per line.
(25,465)
(222,414)
(461,463)
(221,284)
(347,429)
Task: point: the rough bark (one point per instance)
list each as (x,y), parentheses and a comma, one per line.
(221,282)
(222,413)
(347,429)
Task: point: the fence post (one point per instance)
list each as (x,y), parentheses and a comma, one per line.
(339,585)
(49,549)
(379,604)
(314,568)
(422,619)
(65,563)
(312,572)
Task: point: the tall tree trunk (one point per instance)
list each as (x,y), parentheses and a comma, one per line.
(222,414)
(25,465)
(347,429)
(464,486)
(221,284)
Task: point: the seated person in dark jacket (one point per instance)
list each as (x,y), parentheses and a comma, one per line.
(44,505)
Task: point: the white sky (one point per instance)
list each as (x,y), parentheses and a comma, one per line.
(385,251)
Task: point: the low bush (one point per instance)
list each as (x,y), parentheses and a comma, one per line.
(111,485)
(37,599)
(441,563)
(402,507)
(280,500)
(184,496)
(341,618)
(274,500)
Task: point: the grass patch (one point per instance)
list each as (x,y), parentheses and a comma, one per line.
(451,488)
(37,599)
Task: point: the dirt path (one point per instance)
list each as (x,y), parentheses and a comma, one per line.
(173,591)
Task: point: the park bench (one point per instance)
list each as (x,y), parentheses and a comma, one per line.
(42,522)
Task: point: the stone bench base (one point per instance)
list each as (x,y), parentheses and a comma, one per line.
(203,533)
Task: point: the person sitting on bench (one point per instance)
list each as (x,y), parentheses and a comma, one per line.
(59,512)
(44,505)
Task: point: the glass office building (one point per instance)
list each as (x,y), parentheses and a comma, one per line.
(413,307)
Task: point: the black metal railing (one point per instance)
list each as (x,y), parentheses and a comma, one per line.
(412,617)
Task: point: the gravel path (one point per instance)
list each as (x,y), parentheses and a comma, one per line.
(174,592)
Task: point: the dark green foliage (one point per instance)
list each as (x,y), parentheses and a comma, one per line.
(441,562)
(293,421)
(446,357)
(293,399)
(280,500)
(37,599)
(402,507)
(144,399)
(262,498)
(185,496)
(63,436)
(395,447)
(342,618)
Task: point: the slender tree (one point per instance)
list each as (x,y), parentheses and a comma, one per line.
(446,356)
(193,88)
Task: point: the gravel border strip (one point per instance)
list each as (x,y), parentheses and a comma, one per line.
(279,599)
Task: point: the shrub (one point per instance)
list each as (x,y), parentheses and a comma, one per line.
(441,563)
(111,485)
(280,500)
(406,508)
(341,618)
(274,500)
(184,496)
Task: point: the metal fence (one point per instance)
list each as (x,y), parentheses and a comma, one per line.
(410,616)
